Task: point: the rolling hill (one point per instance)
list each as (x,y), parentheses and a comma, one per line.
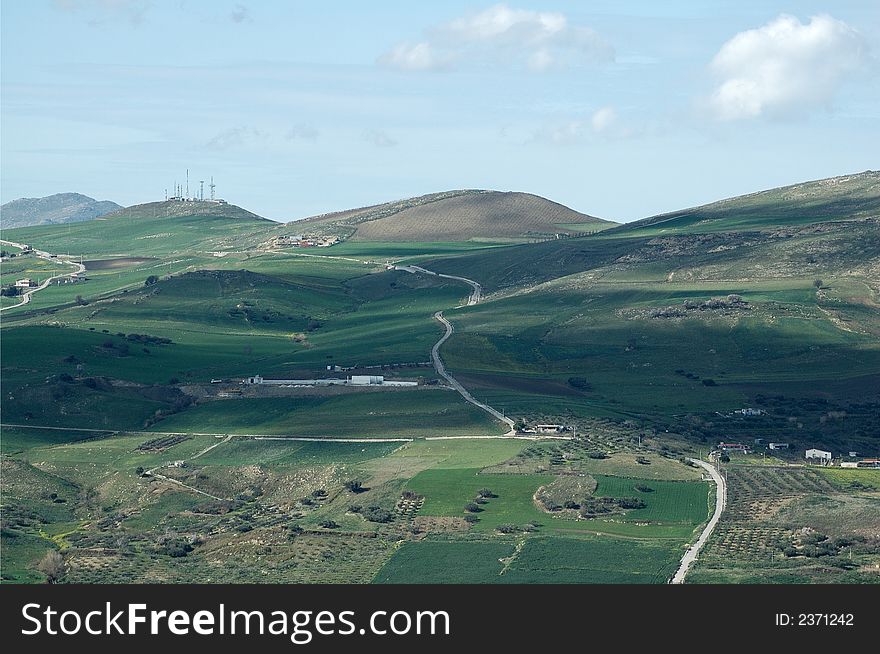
(54,209)
(155,228)
(456,216)
(843,198)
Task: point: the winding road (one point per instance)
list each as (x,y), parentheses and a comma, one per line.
(26,296)
(475,296)
(720,499)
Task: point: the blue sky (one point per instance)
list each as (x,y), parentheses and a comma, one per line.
(617,109)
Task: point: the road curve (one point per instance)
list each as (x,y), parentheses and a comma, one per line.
(720,499)
(441,370)
(26,296)
(475,296)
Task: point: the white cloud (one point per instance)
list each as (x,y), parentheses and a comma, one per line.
(101,11)
(603,123)
(235,137)
(240,14)
(415,56)
(502,35)
(784,67)
(604,120)
(303,132)
(379,138)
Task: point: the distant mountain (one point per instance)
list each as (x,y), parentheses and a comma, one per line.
(456,216)
(53,210)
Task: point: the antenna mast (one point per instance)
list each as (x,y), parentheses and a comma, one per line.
(212,187)
(187,183)
(201,189)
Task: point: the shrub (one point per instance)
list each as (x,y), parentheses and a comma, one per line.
(329,524)
(472,507)
(377,514)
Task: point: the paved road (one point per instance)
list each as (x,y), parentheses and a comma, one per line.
(26,296)
(720,499)
(475,296)
(441,370)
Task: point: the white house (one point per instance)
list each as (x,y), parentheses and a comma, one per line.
(823,456)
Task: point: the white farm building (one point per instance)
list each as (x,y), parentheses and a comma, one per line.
(821,455)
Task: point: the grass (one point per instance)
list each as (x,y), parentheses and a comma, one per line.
(852,479)
(539,560)
(394,413)
(240,452)
(674,509)
(438,562)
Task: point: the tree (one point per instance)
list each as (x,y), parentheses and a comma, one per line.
(724,458)
(818,283)
(354,486)
(139,471)
(149,281)
(52,565)
(80,301)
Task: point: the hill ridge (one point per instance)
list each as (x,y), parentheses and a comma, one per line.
(455,215)
(55,209)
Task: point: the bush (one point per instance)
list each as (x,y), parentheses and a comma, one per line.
(580,383)
(709,382)
(149,281)
(597,455)
(644,488)
(486,493)
(470,518)
(329,524)
(507,529)
(377,514)
(643,461)
(472,507)
(354,486)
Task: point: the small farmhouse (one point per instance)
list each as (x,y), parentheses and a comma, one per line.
(821,456)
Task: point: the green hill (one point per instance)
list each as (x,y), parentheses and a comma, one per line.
(843,198)
(153,229)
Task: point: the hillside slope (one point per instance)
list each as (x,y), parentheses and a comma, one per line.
(847,197)
(155,228)
(456,216)
(54,209)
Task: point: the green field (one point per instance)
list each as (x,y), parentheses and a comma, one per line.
(393,413)
(540,561)
(674,509)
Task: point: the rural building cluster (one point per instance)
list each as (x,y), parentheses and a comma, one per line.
(353,380)
(304,241)
(811,455)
